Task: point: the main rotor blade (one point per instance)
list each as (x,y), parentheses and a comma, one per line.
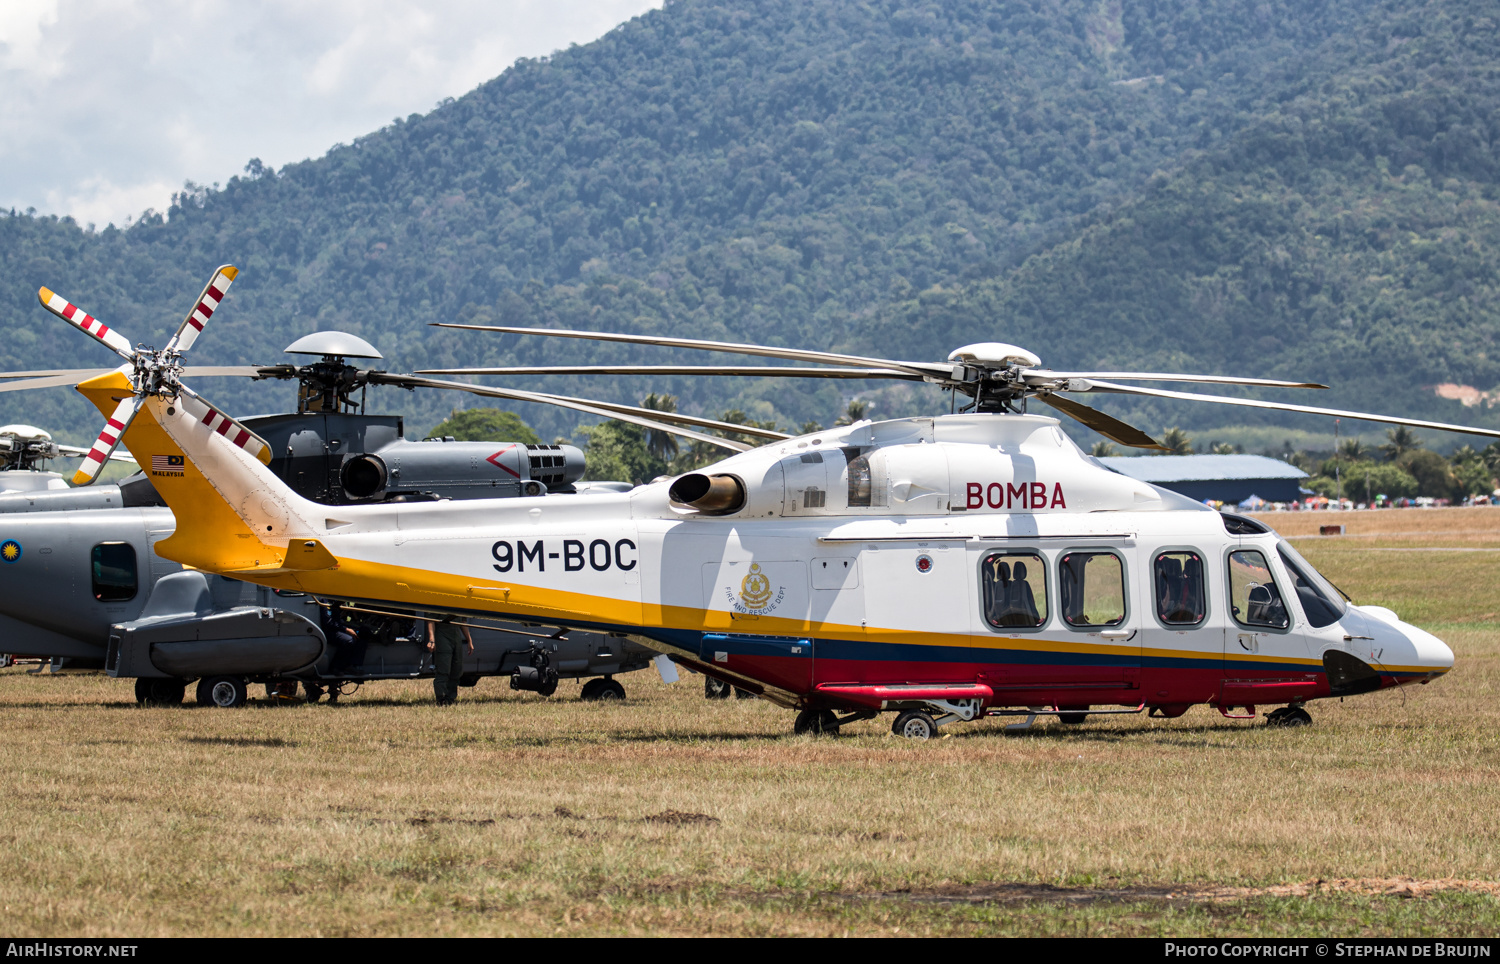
(1282,407)
(750,371)
(214,371)
(1106,425)
(208,301)
(104,445)
(681,419)
(580,405)
(86,323)
(919,369)
(1042,374)
(78,452)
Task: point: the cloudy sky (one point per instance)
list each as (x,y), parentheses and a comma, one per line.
(108,106)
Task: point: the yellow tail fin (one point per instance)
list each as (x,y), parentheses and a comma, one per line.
(243,520)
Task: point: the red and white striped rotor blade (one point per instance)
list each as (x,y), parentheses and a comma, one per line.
(215,421)
(86,323)
(207,303)
(104,445)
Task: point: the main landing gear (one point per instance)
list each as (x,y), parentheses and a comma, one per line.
(225,692)
(915,725)
(160,692)
(601,689)
(826,722)
(1289,716)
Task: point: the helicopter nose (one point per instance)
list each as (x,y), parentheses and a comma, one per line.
(1394,642)
(1430,652)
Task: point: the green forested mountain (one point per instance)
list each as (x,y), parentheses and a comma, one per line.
(1259,187)
(1352,235)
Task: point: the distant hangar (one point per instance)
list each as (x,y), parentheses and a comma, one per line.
(1221,478)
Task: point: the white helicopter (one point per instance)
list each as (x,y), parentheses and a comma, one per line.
(24,451)
(946,568)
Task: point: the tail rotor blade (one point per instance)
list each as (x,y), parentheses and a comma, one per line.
(52,381)
(104,445)
(203,310)
(1106,425)
(86,323)
(220,424)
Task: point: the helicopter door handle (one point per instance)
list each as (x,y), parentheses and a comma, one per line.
(1349,639)
(1249,644)
(1117,633)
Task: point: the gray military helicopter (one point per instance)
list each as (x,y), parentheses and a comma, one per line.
(83,586)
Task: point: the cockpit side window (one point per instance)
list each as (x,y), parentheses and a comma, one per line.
(1253,597)
(1092,587)
(1181,596)
(1014,589)
(1320,606)
(113,570)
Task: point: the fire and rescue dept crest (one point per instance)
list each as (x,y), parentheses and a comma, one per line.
(757,595)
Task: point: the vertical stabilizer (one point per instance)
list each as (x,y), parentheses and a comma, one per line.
(241,519)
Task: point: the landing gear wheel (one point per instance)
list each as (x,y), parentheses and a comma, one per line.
(817,723)
(312,691)
(548,688)
(715,689)
(1289,716)
(1072,719)
(225,692)
(915,725)
(600,689)
(160,692)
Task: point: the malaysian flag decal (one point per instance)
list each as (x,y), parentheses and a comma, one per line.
(167,464)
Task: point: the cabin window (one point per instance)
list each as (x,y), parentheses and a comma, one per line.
(114,571)
(1014,586)
(1253,597)
(1181,597)
(1320,604)
(1092,587)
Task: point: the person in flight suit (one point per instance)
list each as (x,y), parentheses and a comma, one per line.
(443,639)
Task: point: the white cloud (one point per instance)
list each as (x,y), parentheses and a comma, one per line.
(110,105)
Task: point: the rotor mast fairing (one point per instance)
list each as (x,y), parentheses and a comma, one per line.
(931,467)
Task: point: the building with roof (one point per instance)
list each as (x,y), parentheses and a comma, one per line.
(1218,478)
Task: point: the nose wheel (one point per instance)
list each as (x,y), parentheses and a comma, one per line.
(1289,716)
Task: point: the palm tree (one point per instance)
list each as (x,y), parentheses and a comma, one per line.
(1399,441)
(1354,450)
(1176,442)
(1464,454)
(660,444)
(1103,450)
(1223,448)
(856,412)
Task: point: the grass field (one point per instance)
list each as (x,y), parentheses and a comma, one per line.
(509,814)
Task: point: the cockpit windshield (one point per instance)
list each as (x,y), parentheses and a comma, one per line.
(1321,602)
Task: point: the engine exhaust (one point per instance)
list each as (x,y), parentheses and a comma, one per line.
(711,495)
